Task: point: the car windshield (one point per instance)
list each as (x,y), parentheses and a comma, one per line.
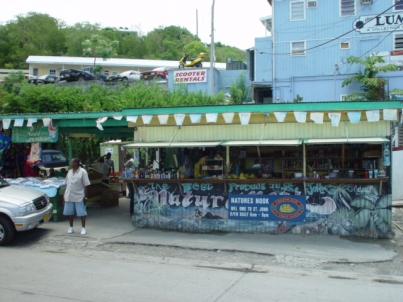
(3,182)
(43,77)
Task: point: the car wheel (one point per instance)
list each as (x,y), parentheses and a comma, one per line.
(80,79)
(7,230)
(159,77)
(199,64)
(181,66)
(125,80)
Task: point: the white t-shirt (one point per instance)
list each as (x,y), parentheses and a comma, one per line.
(75,184)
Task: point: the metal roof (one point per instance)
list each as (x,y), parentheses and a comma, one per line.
(113,62)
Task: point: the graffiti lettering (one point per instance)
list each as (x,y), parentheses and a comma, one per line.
(246,187)
(318,188)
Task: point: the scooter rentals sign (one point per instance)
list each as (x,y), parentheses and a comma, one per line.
(190,76)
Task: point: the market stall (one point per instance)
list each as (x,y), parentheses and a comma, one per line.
(328,176)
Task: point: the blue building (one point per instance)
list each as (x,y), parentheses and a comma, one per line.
(306,53)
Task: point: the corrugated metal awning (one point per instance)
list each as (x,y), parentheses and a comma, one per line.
(274,142)
(172,144)
(356,140)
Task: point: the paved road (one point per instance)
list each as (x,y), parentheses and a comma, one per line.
(43,275)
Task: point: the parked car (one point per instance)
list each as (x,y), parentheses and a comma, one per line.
(45,79)
(158,73)
(30,77)
(52,159)
(71,75)
(21,209)
(127,76)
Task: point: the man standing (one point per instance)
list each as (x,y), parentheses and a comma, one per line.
(75,197)
(109,161)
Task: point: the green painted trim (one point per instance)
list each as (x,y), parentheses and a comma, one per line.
(254,108)
(68,123)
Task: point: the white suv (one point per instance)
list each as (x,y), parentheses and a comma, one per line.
(21,209)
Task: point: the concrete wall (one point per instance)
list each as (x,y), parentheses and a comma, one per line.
(397,175)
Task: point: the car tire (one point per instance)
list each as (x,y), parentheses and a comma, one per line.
(7,230)
(159,77)
(125,80)
(80,79)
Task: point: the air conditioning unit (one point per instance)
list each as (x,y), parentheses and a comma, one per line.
(366,1)
(312,4)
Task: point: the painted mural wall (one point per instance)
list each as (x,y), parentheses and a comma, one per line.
(335,209)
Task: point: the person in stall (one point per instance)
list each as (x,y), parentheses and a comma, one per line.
(199,164)
(102,167)
(51,173)
(188,163)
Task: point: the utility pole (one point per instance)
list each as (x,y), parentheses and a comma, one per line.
(197,23)
(212,56)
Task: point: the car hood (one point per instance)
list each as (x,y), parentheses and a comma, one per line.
(18,194)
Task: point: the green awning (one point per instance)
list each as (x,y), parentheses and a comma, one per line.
(191,144)
(354,140)
(274,142)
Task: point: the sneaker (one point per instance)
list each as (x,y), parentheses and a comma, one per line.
(83,231)
(70,230)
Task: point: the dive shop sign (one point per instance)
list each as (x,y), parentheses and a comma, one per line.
(376,24)
(190,76)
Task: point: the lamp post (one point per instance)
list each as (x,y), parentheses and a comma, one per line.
(212,52)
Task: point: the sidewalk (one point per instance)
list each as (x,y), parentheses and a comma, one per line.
(114,225)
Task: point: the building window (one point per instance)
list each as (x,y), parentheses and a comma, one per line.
(297,10)
(106,72)
(398,41)
(398,5)
(52,71)
(347,8)
(298,48)
(35,72)
(344,45)
(114,73)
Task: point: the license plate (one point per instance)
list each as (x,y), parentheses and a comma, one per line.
(46,217)
(145,77)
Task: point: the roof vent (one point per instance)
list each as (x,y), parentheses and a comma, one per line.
(366,1)
(311,4)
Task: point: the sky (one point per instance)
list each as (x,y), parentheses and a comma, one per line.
(236,23)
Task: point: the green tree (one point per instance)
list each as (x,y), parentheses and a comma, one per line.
(372,86)
(194,48)
(34,34)
(77,34)
(99,47)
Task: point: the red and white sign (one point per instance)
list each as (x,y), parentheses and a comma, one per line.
(190,76)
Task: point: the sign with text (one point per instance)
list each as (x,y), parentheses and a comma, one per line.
(37,133)
(379,23)
(267,207)
(190,76)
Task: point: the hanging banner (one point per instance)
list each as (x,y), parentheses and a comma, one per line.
(132,118)
(372,115)
(390,114)
(146,119)
(6,123)
(354,117)
(280,116)
(244,117)
(228,117)
(118,117)
(18,122)
(179,118)
(46,121)
(211,117)
(267,207)
(38,133)
(163,118)
(317,117)
(31,121)
(195,118)
(99,126)
(334,118)
(300,116)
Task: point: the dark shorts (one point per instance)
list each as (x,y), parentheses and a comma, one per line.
(70,208)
